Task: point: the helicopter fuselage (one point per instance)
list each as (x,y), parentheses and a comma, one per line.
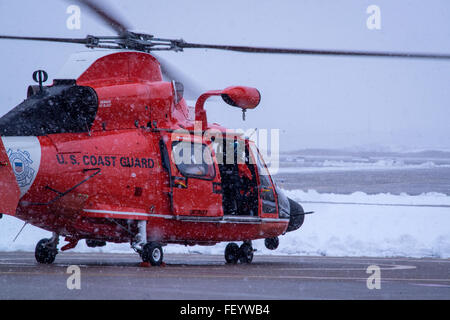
(95,154)
(86,186)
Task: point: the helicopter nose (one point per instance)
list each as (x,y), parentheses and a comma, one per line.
(296,216)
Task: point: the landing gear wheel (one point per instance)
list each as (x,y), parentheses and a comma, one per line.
(153,253)
(271,243)
(232,253)
(246,253)
(45,251)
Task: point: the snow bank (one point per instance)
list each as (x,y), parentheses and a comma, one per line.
(372,230)
(350,229)
(425,199)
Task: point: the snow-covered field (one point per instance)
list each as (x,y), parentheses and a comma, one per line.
(381,225)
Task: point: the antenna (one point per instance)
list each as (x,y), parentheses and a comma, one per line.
(40,76)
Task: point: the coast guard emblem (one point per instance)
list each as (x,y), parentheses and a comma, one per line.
(21,164)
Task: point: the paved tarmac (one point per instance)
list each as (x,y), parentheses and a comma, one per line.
(200,277)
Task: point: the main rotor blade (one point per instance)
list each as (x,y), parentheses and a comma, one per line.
(67,40)
(184,45)
(107,16)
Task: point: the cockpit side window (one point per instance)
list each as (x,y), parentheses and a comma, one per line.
(264,176)
(267,192)
(193,160)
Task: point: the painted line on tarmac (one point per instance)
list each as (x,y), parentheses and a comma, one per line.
(272,257)
(216,276)
(382,267)
(433,285)
(214,266)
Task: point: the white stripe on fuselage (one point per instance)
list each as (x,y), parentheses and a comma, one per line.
(25,158)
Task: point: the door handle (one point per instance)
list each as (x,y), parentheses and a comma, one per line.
(180,182)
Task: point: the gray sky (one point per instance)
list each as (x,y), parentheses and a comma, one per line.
(316,102)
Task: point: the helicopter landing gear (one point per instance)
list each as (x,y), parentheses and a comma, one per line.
(243,254)
(246,253)
(152,252)
(272,243)
(46,250)
(232,253)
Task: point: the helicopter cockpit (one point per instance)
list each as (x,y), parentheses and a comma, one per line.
(238,176)
(229,170)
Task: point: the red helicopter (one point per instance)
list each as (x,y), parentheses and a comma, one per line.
(111,153)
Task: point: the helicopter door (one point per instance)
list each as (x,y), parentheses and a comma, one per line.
(267,195)
(196,188)
(9,189)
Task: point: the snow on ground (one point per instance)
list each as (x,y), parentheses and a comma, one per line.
(345,229)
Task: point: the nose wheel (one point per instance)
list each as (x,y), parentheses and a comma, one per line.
(243,254)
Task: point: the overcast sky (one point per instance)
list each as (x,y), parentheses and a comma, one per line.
(315,102)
